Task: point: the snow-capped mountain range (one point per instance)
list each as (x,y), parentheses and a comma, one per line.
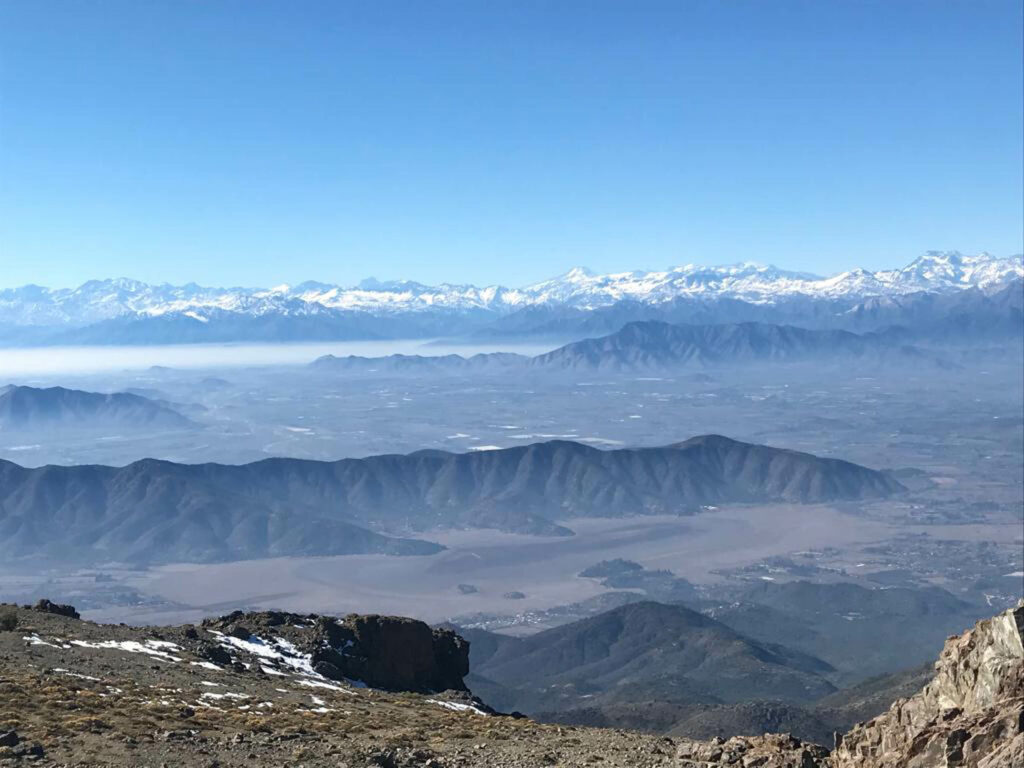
(104,300)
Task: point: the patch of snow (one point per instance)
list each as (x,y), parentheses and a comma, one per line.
(37,640)
(69,673)
(153,648)
(206,665)
(456,706)
(219,696)
(313,683)
(275,649)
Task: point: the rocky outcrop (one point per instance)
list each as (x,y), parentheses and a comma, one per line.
(772,750)
(45,606)
(392,652)
(971,714)
(388,652)
(242,690)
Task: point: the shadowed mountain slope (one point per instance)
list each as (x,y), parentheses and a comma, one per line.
(647,651)
(860,631)
(643,345)
(162,511)
(57,407)
(650,344)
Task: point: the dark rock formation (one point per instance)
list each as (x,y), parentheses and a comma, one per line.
(388,652)
(393,653)
(45,606)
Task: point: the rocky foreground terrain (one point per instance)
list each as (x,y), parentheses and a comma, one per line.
(280,689)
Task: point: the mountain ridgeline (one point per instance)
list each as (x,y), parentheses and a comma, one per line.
(24,408)
(654,345)
(766,660)
(933,295)
(642,652)
(643,345)
(158,511)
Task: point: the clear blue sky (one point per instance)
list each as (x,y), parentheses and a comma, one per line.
(482,141)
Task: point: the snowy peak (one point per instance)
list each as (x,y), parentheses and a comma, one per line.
(950,270)
(586,290)
(579,288)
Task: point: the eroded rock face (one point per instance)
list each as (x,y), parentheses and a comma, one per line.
(388,652)
(45,606)
(971,714)
(773,750)
(392,652)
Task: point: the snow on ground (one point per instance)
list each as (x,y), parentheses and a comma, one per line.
(154,648)
(276,650)
(456,706)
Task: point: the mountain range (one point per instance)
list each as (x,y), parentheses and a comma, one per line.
(970,315)
(861,632)
(652,344)
(159,511)
(770,660)
(25,408)
(128,311)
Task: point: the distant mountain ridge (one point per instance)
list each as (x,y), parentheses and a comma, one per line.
(859,631)
(641,652)
(643,345)
(56,407)
(662,345)
(153,511)
(769,658)
(129,311)
(967,314)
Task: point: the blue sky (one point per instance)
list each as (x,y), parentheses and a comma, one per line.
(263,142)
